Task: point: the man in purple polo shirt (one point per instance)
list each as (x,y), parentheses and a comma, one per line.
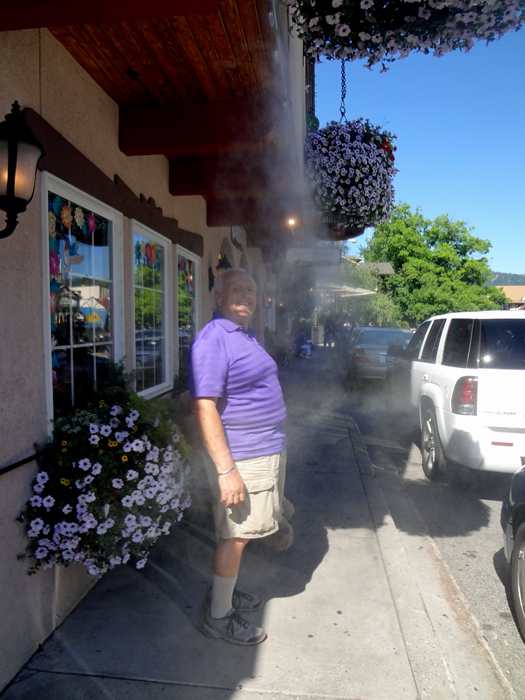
(238,403)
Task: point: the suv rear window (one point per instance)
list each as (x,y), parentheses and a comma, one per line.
(457,343)
(502,343)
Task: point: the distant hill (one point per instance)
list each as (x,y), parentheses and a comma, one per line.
(501,279)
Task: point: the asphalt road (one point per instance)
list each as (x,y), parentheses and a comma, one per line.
(463,519)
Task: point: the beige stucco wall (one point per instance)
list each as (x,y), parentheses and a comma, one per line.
(37,71)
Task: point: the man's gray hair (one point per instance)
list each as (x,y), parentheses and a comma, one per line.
(219,281)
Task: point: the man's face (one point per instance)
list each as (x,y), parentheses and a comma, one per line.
(238,298)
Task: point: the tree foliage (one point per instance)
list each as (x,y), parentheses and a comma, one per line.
(440,266)
(378,309)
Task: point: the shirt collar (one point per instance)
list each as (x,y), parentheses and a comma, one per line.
(230,326)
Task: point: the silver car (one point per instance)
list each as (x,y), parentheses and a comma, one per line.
(367,353)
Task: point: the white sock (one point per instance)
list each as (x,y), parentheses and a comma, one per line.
(222,592)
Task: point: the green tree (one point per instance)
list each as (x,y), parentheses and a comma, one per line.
(379,308)
(440,266)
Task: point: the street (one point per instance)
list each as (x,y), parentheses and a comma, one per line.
(461,518)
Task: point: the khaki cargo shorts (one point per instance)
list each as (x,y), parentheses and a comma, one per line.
(259,514)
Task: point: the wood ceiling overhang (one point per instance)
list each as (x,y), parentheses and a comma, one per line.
(203,82)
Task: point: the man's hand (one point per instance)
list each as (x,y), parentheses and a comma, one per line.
(232,489)
(212,433)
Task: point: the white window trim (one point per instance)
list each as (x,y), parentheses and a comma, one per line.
(179,250)
(167,316)
(64,189)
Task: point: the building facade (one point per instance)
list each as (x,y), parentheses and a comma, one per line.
(172,142)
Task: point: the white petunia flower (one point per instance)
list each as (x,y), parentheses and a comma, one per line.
(48,501)
(117,483)
(131,474)
(38,488)
(105,430)
(141,564)
(115,410)
(96,469)
(84,464)
(42,477)
(41,553)
(35,501)
(127,501)
(37,524)
(93,428)
(94,439)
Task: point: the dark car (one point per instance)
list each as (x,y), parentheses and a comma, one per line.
(513,524)
(368,356)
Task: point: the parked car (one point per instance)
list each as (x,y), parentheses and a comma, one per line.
(465,375)
(513,524)
(367,356)
(148,348)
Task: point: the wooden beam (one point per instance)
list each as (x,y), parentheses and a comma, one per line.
(32,14)
(249,212)
(228,174)
(191,129)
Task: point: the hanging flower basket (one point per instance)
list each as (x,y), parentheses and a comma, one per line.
(383,31)
(351,167)
(111,483)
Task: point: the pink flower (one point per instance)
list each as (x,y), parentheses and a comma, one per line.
(91,223)
(54,263)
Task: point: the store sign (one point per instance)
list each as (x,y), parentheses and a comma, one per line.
(314,256)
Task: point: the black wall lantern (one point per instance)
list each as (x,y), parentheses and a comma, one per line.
(224,264)
(19,155)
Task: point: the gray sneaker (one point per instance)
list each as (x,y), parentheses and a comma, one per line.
(233,629)
(241,602)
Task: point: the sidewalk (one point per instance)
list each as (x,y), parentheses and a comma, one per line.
(345,614)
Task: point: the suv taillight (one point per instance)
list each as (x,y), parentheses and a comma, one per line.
(465,397)
(360,355)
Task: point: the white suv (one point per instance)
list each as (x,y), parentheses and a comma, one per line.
(466,373)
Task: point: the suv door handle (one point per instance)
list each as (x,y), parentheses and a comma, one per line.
(426,377)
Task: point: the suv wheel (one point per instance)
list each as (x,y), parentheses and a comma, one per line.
(433,458)
(518,577)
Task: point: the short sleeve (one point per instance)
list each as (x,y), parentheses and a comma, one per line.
(207,368)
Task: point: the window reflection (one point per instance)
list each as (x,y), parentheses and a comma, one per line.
(150,336)
(80,297)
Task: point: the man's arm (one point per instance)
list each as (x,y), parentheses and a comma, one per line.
(212,433)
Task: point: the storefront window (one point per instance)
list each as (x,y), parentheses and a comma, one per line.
(153,357)
(81,293)
(187,305)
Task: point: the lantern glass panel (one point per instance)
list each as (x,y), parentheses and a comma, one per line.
(3,167)
(26,162)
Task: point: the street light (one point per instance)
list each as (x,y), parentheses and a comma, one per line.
(19,155)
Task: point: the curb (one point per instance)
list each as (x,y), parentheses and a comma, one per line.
(434,664)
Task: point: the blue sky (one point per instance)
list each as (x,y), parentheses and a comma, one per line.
(460,127)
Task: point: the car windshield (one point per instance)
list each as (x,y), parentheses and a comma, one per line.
(502,343)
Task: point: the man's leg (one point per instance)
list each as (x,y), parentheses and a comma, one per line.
(226,563)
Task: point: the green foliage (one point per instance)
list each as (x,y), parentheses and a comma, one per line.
(440,266)
(378,309)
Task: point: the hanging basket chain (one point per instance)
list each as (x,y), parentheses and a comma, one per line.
(342,109)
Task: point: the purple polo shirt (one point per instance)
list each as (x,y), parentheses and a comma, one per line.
(226,361)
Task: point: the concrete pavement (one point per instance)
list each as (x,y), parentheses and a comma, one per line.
(353,611)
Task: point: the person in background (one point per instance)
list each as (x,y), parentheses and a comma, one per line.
(238,404)
(328,334)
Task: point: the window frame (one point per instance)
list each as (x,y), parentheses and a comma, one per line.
(196,260)
(167,315)
(64,189)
